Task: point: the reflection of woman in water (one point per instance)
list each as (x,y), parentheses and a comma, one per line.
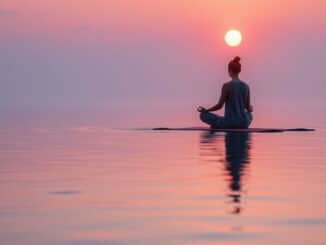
(237,146)
(236,96)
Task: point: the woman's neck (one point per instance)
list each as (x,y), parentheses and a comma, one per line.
(235,77)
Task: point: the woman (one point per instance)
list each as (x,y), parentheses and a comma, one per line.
(236,96)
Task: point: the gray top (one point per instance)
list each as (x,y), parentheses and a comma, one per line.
(236,115)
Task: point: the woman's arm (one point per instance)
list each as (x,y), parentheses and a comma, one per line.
(221,101)
(249,107)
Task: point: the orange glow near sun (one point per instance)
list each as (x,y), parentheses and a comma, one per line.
(233,38)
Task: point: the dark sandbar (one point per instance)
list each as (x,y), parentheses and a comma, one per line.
(249,130)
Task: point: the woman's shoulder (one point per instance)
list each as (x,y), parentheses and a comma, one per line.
(227,85)
(244,83)
(240,82)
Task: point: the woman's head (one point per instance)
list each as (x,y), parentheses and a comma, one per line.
(234,66)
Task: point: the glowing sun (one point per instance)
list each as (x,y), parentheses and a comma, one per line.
(233,38)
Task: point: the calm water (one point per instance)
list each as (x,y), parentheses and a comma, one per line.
(92,185)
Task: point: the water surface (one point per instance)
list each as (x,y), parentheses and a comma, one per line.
(95,185)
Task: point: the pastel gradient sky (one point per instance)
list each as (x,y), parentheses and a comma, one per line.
(109,56)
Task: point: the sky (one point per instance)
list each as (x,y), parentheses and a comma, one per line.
(137,59)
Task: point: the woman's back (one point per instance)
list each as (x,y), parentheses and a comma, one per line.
(236,114)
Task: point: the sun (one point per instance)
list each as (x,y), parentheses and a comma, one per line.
(233,38)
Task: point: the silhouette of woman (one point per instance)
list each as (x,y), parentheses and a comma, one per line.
(236,97)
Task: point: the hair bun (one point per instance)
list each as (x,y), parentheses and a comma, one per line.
(237,59)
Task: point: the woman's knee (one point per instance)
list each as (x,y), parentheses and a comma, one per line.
(206,117)
(203,116)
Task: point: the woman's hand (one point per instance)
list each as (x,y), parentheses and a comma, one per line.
(201,109)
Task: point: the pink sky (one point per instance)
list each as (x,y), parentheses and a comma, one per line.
(65,55)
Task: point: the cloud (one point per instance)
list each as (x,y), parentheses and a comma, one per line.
(8,13)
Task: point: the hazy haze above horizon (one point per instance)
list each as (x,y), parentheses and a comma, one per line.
(108,56)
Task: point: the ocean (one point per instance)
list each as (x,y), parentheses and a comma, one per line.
(91,184)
